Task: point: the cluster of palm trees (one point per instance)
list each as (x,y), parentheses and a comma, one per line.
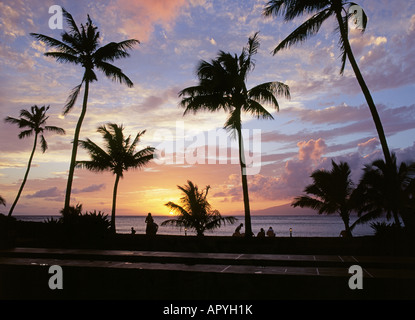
(221,86)
(80,46)
(383,190)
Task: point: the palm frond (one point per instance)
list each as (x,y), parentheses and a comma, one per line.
(54,43)
(43,143)
(56,130)
(114,73)
(304,31)
(25,133)
(64,57)
(114,50)
(257,110)
(73,96)
(291,9)
(71,22)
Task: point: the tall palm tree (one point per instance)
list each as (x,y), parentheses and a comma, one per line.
(330,192)
(322,10)
(222,86)
(119,156)
(34,122)
(80,46)
(195,212)
(387,189)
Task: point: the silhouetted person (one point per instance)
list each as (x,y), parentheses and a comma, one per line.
(132,230)
(270,232)
(261,233)
(152,227)
(237,232)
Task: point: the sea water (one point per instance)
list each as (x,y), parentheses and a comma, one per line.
(301,225)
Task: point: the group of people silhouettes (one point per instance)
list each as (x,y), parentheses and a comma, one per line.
(261,234)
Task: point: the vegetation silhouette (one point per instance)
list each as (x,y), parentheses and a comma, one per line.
(34,123)
(2,201)
(222,86)
(119,156)
(331,192)
(195,212)
(387,189)
(322,10)
(80,46)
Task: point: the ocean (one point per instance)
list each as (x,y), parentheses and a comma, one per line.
(302,226)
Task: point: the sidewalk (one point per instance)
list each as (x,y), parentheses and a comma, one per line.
(173,270)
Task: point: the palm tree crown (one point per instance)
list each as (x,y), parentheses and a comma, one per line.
(222,86)
(34,123)
(330,192)
(195,212)
(322,10)
(120,155)
(80,46)
(387,189)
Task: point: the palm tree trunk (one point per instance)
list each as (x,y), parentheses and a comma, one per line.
(346,220)
(75,148)
(364,88)
(248,227)
(114,201)
(25,177)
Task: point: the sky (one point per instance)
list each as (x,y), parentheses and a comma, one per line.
(326,118)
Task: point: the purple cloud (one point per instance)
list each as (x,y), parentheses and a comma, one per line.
(91,188)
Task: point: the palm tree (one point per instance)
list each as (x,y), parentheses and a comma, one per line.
(387,189)
(34,122)
(324,9)
(80,46)
(222,85)
(119,156)
(330,192)
(195,212)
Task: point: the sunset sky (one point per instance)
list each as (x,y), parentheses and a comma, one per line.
(327,117)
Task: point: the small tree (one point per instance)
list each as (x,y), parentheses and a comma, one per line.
(195,212)
(119,156)
(330,193)
(387,189)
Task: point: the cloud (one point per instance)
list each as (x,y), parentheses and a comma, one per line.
(367,147)
(138,17)
(91,188)
(212,41)
(46,193)
(293,179)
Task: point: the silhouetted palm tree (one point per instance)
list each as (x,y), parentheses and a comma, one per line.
(322,10)
(80,46)
(34,121)
(330,192)
(222,86)
(387,189)
(119,156)
(195,212)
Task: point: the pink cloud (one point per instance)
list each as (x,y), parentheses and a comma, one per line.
(139,16)
(367,147)
(311,150)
